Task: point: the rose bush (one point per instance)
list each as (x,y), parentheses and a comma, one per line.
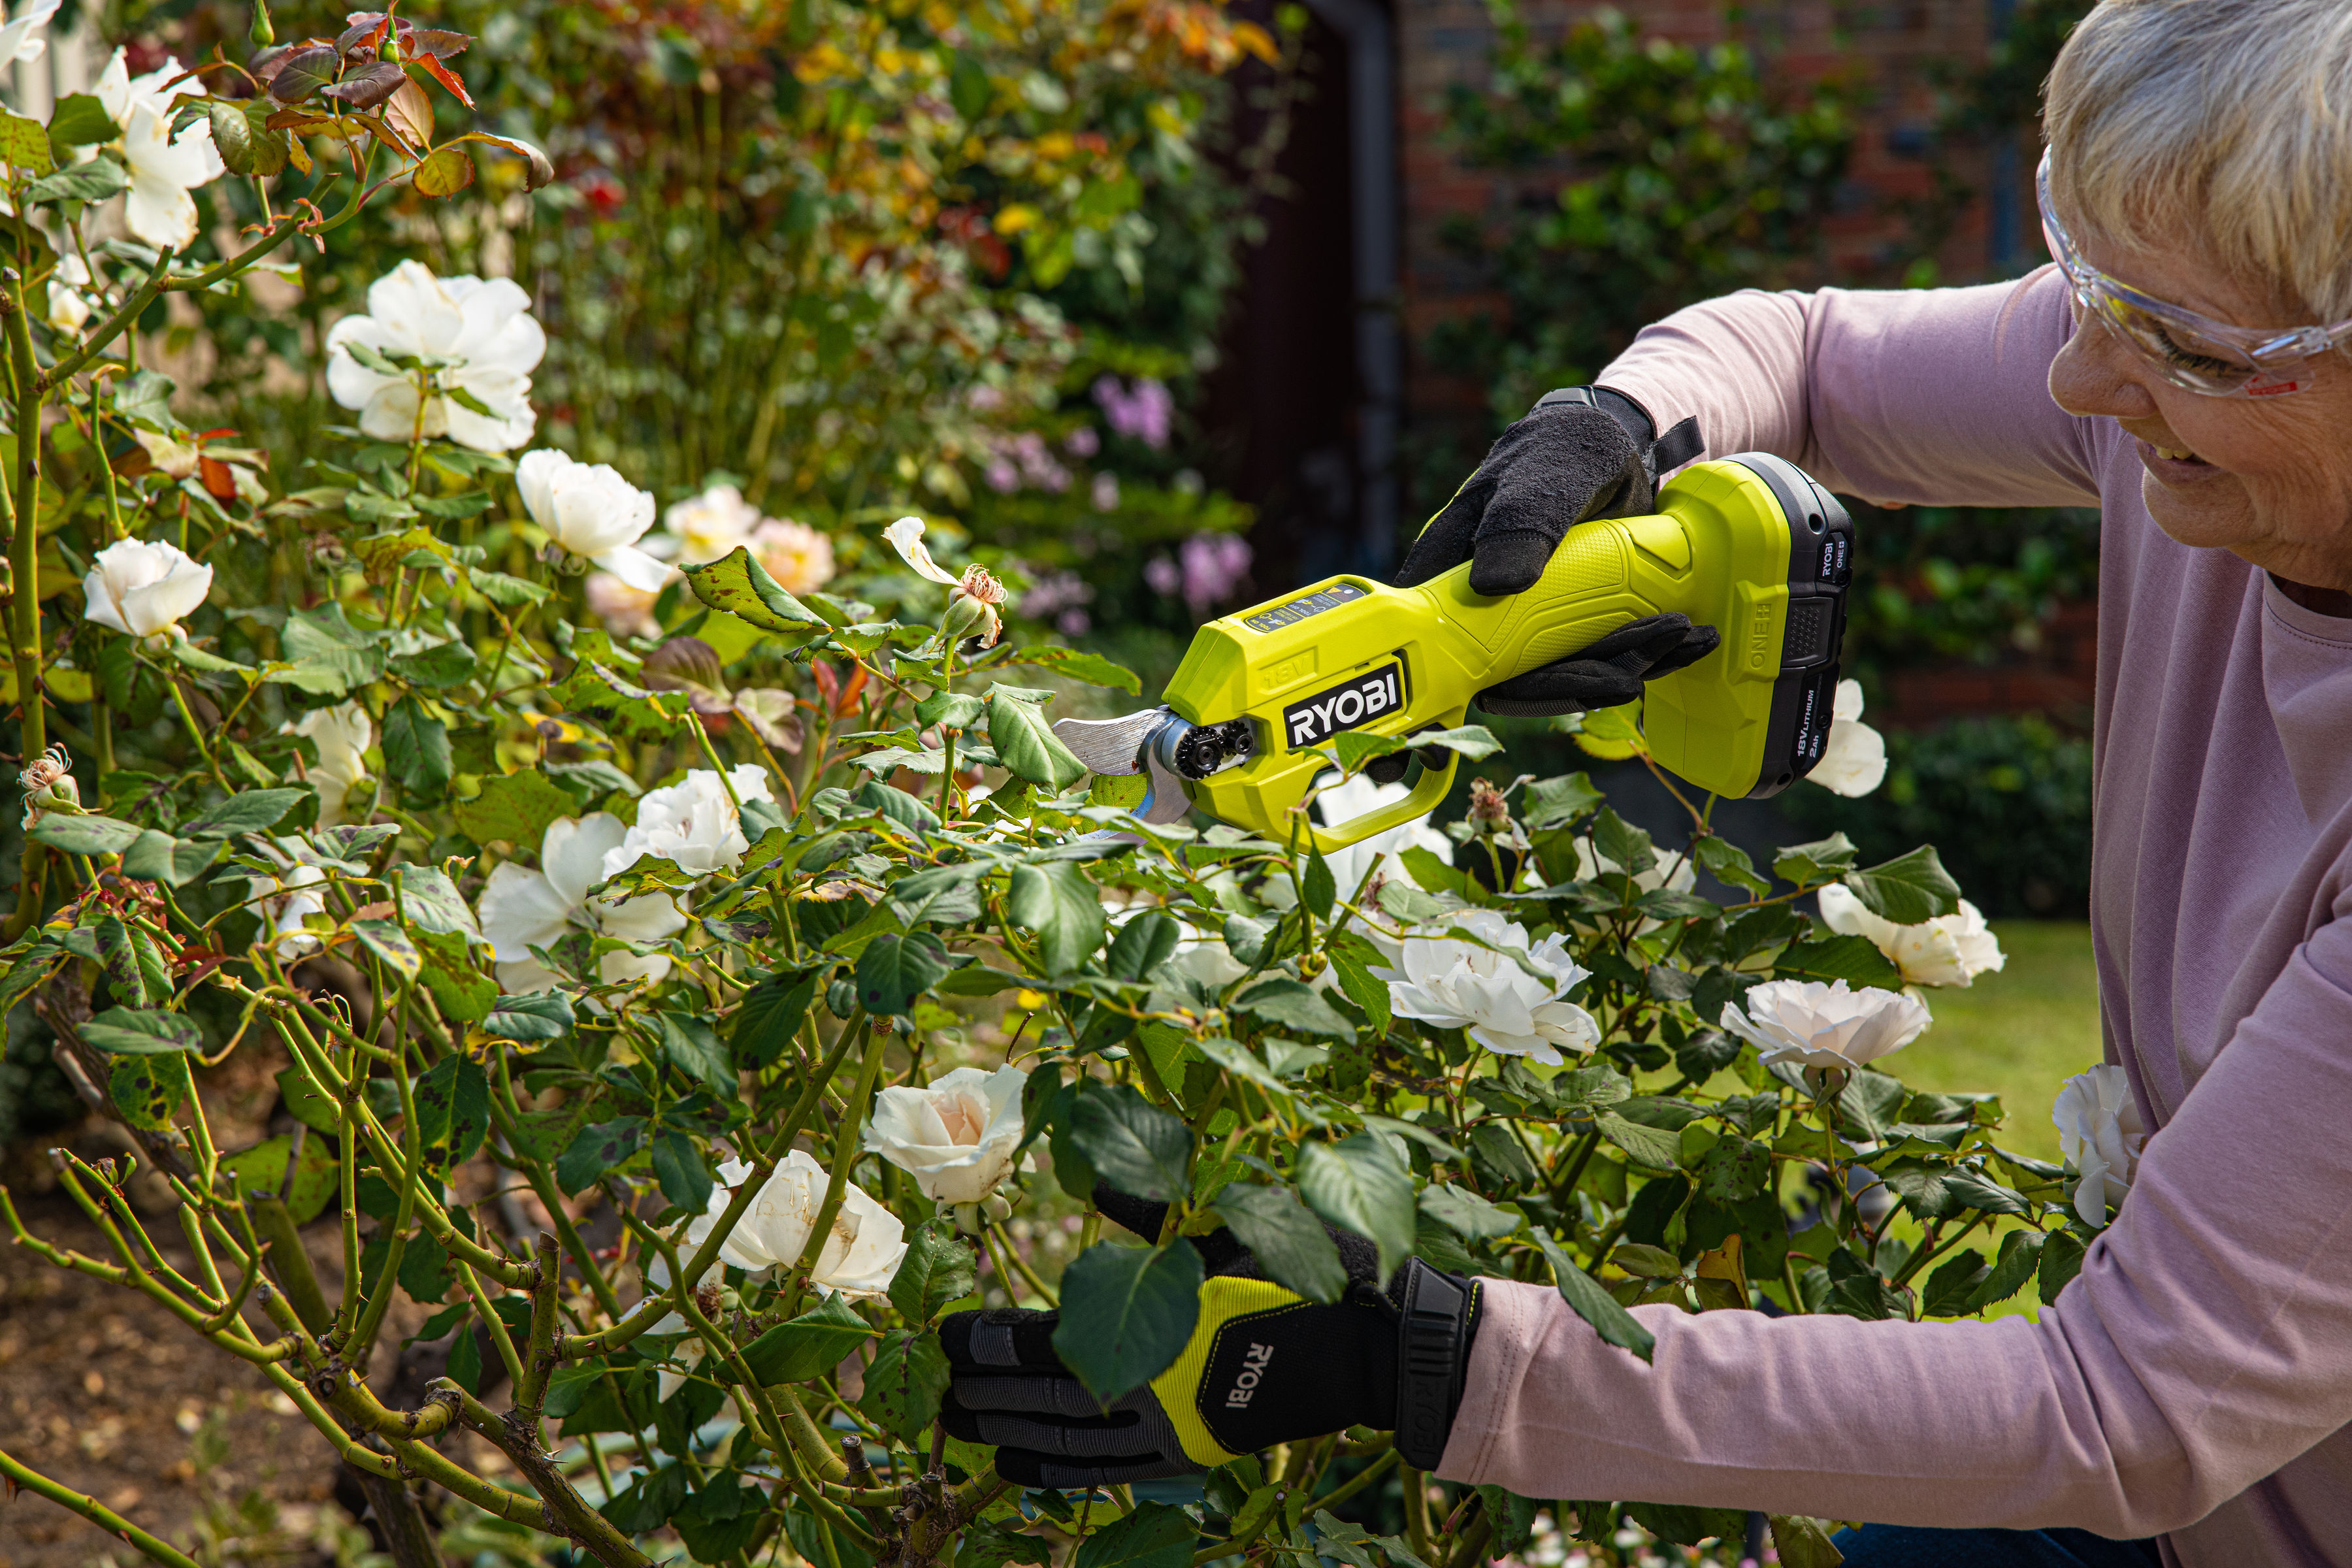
(682,1017)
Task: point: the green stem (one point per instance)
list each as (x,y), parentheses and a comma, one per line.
(90,1509)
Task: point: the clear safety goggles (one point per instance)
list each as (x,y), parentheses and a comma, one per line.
(2195,352)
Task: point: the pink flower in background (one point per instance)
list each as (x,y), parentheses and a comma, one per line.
(1105,492)
(1037,464)
(1055,592)
(1163,574)
(1001,476)
(1214,564)
(984,398)
(1074,623)
(1143,413)
(1082,442)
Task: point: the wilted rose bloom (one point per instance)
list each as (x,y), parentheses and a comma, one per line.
(1950,949)
(341,734)
(164,168)
(956,1137)
(1818,1025)
(142,588)
(47,782)
(483,331)
(864,1250)
(691,823)
(591,512)
(1854,762)
(523,909)
(2101,1136)
(972,606)
(800,558)
(1458,985)
(625,610)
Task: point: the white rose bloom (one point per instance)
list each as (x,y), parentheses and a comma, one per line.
(1818,1025)
(341,734)
(142,588)
(164,167)
(858,1258)
(1206,959)
(487,341)
(67,307)
(17,40)
(691,823)
(284,905)
(1359,796)
(955,1137)
(625,610)
(1854,762)
(1950,949)
(523,909)
(593,512)
(1457,984)
(800,558)
(1674,869)
(2101,1136)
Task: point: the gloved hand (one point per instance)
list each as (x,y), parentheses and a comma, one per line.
(1581,453)
(1265,1366)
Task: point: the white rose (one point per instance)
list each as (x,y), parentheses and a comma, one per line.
(164,168)
(142,588)
(486,339)
(707,527)
(17,40)
(593,512)
(1830,1026)
(797,556)
(1356,797)
(69,308)
(1458,985)
(864,1250)
(955,1137)
(523,909)
(1854,761)
(625,609)
(341,734)
(284,906)
(691,823)
(2101,1136)
(1950,949)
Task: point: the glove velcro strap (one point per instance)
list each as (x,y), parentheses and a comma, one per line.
(1431,1353)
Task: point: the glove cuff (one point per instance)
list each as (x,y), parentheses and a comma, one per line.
(1436,1321)
(1678,446)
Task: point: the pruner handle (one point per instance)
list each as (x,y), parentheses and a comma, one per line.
(1424,798)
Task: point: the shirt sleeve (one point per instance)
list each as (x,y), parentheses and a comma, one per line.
(1927,396)
(2206,1343)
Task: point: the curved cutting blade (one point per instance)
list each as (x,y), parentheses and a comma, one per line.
(1122,746)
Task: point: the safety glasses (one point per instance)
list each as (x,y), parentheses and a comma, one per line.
(2190,351)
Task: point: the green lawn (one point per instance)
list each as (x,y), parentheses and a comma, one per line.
(2018,1032)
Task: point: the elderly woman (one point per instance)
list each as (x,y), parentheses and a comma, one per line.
(2180,365)
(2186,1399)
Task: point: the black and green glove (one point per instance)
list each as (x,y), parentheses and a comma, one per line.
(1581,453)
(1265,1366)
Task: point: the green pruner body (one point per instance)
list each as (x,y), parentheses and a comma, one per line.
(1749,544)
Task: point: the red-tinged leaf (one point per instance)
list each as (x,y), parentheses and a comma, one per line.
(409,113)
(219,482)
(541,171)
(302,73)
(367,31)
(445,173)
(369,86)
(438,42)
(446,77)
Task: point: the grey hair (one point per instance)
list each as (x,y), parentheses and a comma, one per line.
(2227,120)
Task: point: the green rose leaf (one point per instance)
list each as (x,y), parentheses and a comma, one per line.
(810,1345)
(79,120)
(254,811)
(893,970)
(389,942)
(1017,729)
(1908,889)
(1587,1299)
(541,1015)
(739,585)
(1294,1005)
(1131,1143)
(1823,859)
(1061,912)
(1127,1314)
(770,1017)
(904,1383)
(416,748)
(514,808)
(938,1268)
(1156,1535)
(158,857)
(1290,1243)
(598,1149)
(130,1031)
(679,1168)
(1357,1185)
(89,835)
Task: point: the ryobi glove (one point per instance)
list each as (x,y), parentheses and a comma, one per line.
(1265,1366)
(1580,453)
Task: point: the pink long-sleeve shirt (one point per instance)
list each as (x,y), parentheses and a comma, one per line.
(2195,1382)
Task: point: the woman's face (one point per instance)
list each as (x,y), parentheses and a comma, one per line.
(2268,478)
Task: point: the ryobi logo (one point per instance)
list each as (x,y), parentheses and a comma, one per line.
(1365,697)
(1253,1366)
